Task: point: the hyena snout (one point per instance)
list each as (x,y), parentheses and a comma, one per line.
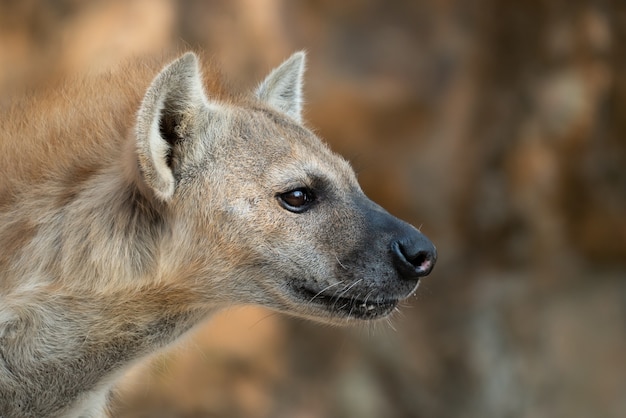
(413,254)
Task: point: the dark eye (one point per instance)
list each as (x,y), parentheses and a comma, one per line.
(297,200)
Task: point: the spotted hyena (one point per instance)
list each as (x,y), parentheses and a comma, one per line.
(133,204)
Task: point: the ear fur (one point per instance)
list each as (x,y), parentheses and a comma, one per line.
(282,88)
(165,118)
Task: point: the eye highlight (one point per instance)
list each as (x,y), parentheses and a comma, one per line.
(297,200)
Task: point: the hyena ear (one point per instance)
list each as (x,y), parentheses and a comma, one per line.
(282,88)
(166,117)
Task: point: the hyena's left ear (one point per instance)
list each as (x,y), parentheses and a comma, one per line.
(166,117)
(282,88)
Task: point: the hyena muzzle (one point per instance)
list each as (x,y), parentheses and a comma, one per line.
(119,235)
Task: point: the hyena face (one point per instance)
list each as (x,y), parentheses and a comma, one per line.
(257,190)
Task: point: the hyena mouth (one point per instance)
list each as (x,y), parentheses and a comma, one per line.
(347,307)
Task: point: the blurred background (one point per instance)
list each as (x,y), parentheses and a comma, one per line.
(499,127)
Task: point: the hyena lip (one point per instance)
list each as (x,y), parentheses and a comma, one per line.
(346,307)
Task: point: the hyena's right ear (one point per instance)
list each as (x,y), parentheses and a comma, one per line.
(165,119)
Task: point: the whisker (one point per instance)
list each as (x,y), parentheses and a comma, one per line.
(347,289)
(338,296)
(351,309)
(323,290)
(367,297)
(342,266)
(263,318)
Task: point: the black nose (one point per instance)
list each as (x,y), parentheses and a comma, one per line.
(414,255)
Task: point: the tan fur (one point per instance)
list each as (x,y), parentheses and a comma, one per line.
(135,203)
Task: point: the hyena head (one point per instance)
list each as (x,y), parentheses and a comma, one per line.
(265,213)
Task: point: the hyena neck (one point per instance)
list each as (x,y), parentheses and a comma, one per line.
(99,337)
(114,299)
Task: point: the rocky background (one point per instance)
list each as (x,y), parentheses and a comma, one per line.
(498,127)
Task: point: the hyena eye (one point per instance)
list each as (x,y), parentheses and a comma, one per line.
(297,200)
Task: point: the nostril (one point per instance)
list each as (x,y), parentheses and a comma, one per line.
(422,262)
(418,260)
(414,258)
